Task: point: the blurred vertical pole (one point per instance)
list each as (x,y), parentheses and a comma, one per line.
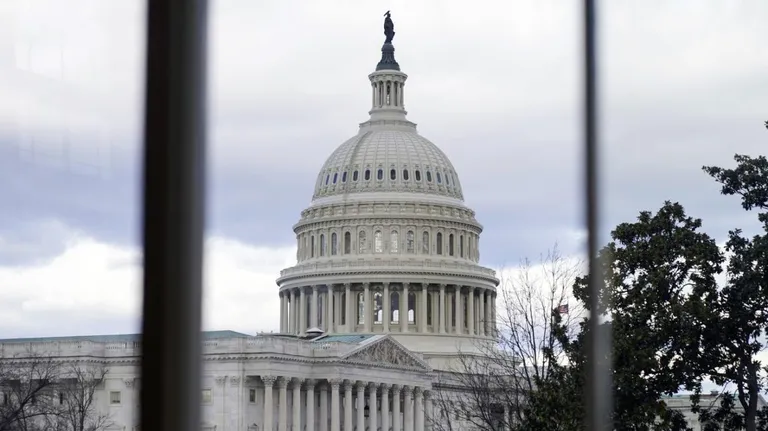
(599,387)
(174,205)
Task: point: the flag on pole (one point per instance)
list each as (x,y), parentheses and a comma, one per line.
(563,309)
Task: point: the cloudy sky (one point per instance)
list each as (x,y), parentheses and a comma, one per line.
(495,85)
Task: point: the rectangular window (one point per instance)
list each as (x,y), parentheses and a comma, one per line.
(252,395)
(61,398)
(114,397)
(207,396)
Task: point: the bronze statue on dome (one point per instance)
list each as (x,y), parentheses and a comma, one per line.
(389,28)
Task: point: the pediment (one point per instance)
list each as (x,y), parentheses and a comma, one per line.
(389,352)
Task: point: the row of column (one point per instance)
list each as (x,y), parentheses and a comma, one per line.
(379,97)
(444,317)
(380,412)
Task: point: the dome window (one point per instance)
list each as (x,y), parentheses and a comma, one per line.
(354,176)
(405,175)
(380,174)
(417,175)
(344,177)
(335,177)
(367,174)
(327,178)
(392,174)
(439,178)
(429,176)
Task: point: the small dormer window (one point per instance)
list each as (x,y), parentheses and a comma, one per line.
(439,178)
(429,176)
(405,175)
(327,178)
(354,176)
(335,177)
(392,174)
(367,174)
(417,175)
(380,174)
(344,177)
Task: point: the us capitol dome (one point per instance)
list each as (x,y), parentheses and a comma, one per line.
(387,245)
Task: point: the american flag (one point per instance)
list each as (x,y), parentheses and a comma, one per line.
(563,309)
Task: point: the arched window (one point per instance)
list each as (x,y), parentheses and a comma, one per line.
(394,307)
(335,177)
(347,243)
(405,175)
(439,243)
(380,174)
(392,174)
(322,245)
(344,177)
(461,246)
(360,309)
(409,240)
(362,246)
(378,242)
(412,307)
(378,312)
(450,245)
(334,244)
(327,178)
(354,175)
(425,242)
(417,175)
(439,178)
(312,247)
(394,241)
(429,176)
(367,174)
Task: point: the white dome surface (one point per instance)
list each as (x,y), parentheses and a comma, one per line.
(395,159)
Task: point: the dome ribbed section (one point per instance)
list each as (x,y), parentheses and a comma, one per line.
(397,161)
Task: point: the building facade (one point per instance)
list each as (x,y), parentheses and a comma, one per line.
(386,292)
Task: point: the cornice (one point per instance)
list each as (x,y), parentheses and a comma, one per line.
(378,219)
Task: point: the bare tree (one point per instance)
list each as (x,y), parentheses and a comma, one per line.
(486,389)
(26,384)
(77,397)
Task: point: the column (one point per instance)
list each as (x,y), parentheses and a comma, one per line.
(335,407)
(387,307)
(282,415)
(423,307)
(385,406)
(396,420)
(302,311)
(471,310)
(458,312)
(294,311)
(348,406)
(418,403)
(373,421)
(404,308)
(348,300)
(408,407)
(269,381)
(481,311)
(428,410)
(487,313)
(313,309)
(373,94)
(360,406)
(296,405)
(309,419)
(493,314)
(441,305)
(402,99)
(324,407)
(282,312)
(367,314)
(329,315)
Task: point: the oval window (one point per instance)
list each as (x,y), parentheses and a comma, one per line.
(344,177)
(380,174)
(335,177)
(367,174)
(417,175)
(429,176)
(405,174)
(392,174)
(439,179)
(354,176)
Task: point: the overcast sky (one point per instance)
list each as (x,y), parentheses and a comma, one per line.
(495,85)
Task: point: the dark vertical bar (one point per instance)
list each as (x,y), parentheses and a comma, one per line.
(599,387)
(174,204)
